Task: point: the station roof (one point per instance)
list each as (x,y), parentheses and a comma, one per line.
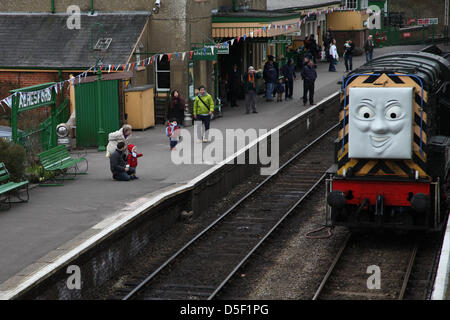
(43,40)
(234,24)
(299,4)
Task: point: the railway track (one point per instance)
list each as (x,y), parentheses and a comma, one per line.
(406,267)
(202,267)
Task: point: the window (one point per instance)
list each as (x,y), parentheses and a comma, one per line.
(351,4)
(163,74)
(364,4)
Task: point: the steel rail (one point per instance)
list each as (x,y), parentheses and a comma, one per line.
(330,270)
(408,271)
(293,207)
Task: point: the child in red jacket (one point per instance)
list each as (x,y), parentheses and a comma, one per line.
(132,159)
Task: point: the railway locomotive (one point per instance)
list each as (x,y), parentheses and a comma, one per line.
(392,155)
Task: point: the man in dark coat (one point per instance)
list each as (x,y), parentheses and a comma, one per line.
(348,55)
(313,48)
(368,48)
(270,75)
(309,76)
(120,169)
(288,72)
(234,79)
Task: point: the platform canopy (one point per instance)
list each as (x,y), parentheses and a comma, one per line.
(261,24)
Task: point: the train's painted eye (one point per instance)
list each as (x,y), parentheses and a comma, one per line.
(365,113)
(394,113)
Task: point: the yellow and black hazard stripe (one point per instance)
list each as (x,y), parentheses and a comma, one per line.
(402,168)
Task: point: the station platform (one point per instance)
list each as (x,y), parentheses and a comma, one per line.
(57,219)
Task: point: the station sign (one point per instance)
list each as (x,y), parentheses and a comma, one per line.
(224,48)
(280,41)
(31,99)
(205,53)
(427,21)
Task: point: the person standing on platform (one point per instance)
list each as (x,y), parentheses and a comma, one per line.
(309,76)
(313,49)
(271,77)
(251,89)
(368,48)
(288,72)
(176,109)
(348,55)
(203,110)
(234,79)
(327,43)
(333,56)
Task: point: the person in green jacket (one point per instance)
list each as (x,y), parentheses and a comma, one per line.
(203,109)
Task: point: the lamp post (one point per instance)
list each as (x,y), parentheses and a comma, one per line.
(101,131)
(99,63)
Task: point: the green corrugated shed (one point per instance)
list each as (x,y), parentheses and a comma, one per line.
(86,111)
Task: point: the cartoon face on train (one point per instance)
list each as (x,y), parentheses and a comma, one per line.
(380,123)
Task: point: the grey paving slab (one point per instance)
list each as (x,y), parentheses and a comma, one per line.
(55,216)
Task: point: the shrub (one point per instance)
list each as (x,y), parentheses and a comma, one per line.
(37,174)
(14,157)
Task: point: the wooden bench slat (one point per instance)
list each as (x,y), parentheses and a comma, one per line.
(10,186)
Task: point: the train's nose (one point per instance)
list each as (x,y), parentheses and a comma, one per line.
(420,202)
(336,199)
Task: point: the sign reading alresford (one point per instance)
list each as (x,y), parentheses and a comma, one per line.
(30,99)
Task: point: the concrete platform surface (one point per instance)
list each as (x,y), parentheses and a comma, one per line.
(59,218)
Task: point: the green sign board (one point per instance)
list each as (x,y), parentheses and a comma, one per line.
(205,53)
(224,48)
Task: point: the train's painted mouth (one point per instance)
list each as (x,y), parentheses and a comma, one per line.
(379,141)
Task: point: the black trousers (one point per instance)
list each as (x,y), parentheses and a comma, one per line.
(234,95)
(289,88)
(308,86)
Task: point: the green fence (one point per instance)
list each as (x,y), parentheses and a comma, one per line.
(391,36)
(39,140)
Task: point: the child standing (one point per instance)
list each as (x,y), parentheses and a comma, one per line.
(172,131)
(132,159)
(280,89)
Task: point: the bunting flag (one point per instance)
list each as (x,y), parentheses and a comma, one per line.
(58,87)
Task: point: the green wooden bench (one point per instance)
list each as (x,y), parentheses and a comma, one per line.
(8,187)
(59,161)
